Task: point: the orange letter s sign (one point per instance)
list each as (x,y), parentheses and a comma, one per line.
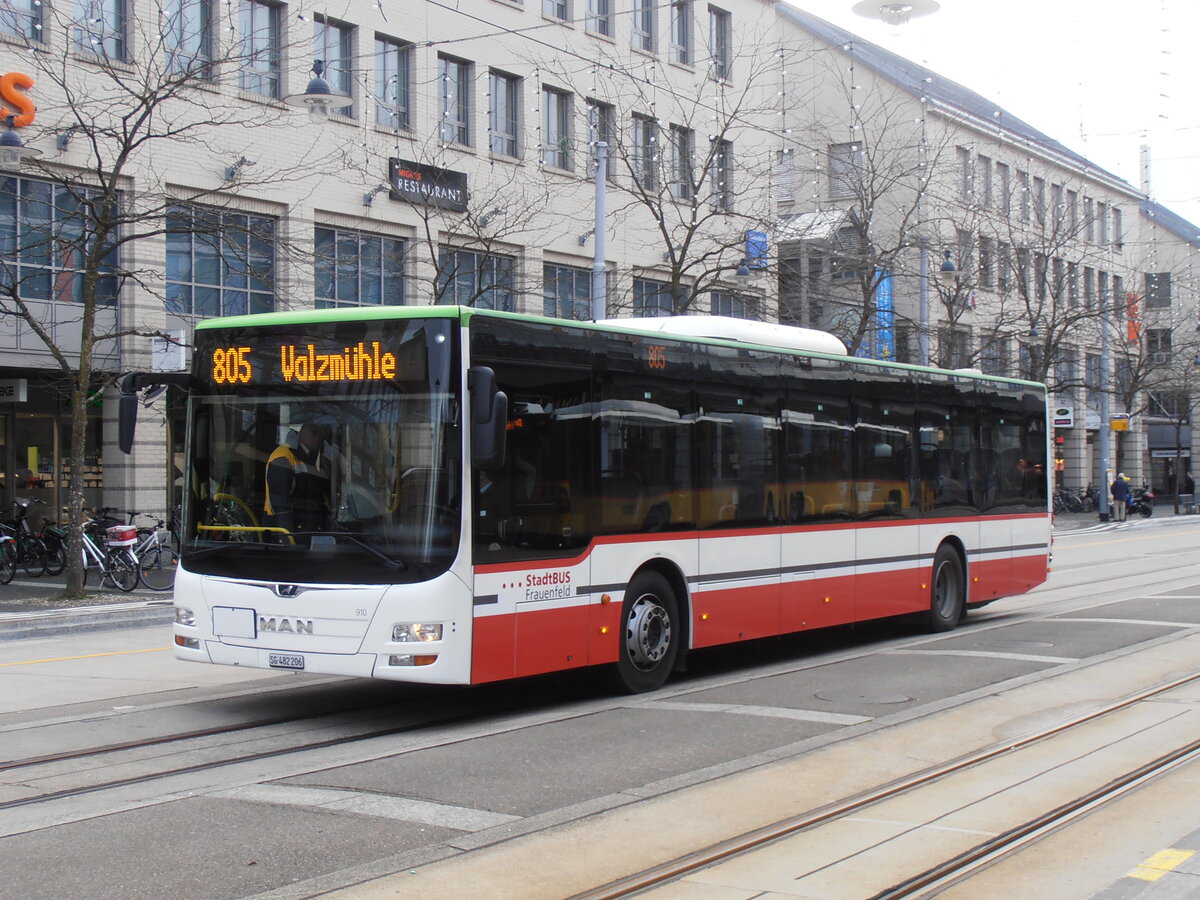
(13,86)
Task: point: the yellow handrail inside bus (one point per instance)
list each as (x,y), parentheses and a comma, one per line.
(218,498)
(271,528)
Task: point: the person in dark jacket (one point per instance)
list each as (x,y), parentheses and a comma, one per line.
(298,483)
(1120,495)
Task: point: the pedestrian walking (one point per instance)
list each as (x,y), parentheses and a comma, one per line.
(1120,495)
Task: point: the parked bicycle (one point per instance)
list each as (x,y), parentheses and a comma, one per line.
(8,557)
(112,557)
(30,550)
(157,559)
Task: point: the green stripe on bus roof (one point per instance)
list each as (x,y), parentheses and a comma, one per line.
(326,316)
(466,313)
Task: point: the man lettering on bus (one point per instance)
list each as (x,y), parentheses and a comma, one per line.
(298,483)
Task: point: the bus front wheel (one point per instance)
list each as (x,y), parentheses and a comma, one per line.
(947,594)
(650,634)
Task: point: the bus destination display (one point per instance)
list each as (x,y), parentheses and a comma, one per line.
(303,364)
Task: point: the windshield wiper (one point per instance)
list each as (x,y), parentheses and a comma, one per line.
(226,547)
(395,565)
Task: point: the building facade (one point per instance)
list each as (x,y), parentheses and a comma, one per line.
(177,181)
(921,222)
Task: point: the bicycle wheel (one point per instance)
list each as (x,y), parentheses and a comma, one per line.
(122,569)
(157,567)
(8,562)
(56,559)
(32,553)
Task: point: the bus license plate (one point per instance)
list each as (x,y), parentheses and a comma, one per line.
(285,661)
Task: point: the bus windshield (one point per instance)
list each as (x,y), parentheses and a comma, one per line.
(325,453)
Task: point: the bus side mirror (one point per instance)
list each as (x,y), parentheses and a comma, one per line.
(133,382)
(489,419)
(127,409)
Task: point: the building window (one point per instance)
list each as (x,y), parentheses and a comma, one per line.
(482,280)
(966,178)
(1089,286)
(44,234)
(1089,219)
(845,169)
(1004,267)
(599,17)
(393,67)
(644,164)
(455,103)
(954,348)
(1158,290)
(986,261)
(1004,186)
(219,263)
(643,25)
(681,32)
(983,169)
(601,127)
(333,43)
(1072,284)
(993,357)
(1039,199)
(682,152)
(187,37)
(721,176)
(503,104)
(1057,210)
(1118,237)
(1158,345)
(100,27)
(1023,199)
(259,49)
(567,292)
(651,299)
(720,43)
(354,269)
(1072,213)
(727,303)
(22,19)
(556,128)
(555,9)
(1023,271)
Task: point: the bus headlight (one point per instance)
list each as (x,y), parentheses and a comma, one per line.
(184,616)
(410,632)
(408,659)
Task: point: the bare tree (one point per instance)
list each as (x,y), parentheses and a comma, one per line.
(872,158)
(121,118)
(689,171)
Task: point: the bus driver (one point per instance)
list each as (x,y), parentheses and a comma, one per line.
(298,482)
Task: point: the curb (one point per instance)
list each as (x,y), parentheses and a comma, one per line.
(55,623)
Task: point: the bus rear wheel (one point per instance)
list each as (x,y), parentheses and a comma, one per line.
(947,590)
(650,634)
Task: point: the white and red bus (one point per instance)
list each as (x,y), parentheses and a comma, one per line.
(507,495)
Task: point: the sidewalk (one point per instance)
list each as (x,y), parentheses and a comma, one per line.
(27,610)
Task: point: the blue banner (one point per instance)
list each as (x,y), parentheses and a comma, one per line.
(885,316)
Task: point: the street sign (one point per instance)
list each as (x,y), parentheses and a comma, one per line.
(1063,417)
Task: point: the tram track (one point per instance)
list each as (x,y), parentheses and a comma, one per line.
(954,869)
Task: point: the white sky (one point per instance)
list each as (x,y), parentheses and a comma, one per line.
(1101,76)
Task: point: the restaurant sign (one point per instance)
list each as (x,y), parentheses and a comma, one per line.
(427,185)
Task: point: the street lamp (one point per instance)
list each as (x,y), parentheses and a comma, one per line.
(12,149)
(948,273)
(317,97)
(895,12)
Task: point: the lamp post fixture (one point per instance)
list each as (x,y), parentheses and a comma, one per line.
(12,149)
(895,12)
(948,273)
(317,97)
